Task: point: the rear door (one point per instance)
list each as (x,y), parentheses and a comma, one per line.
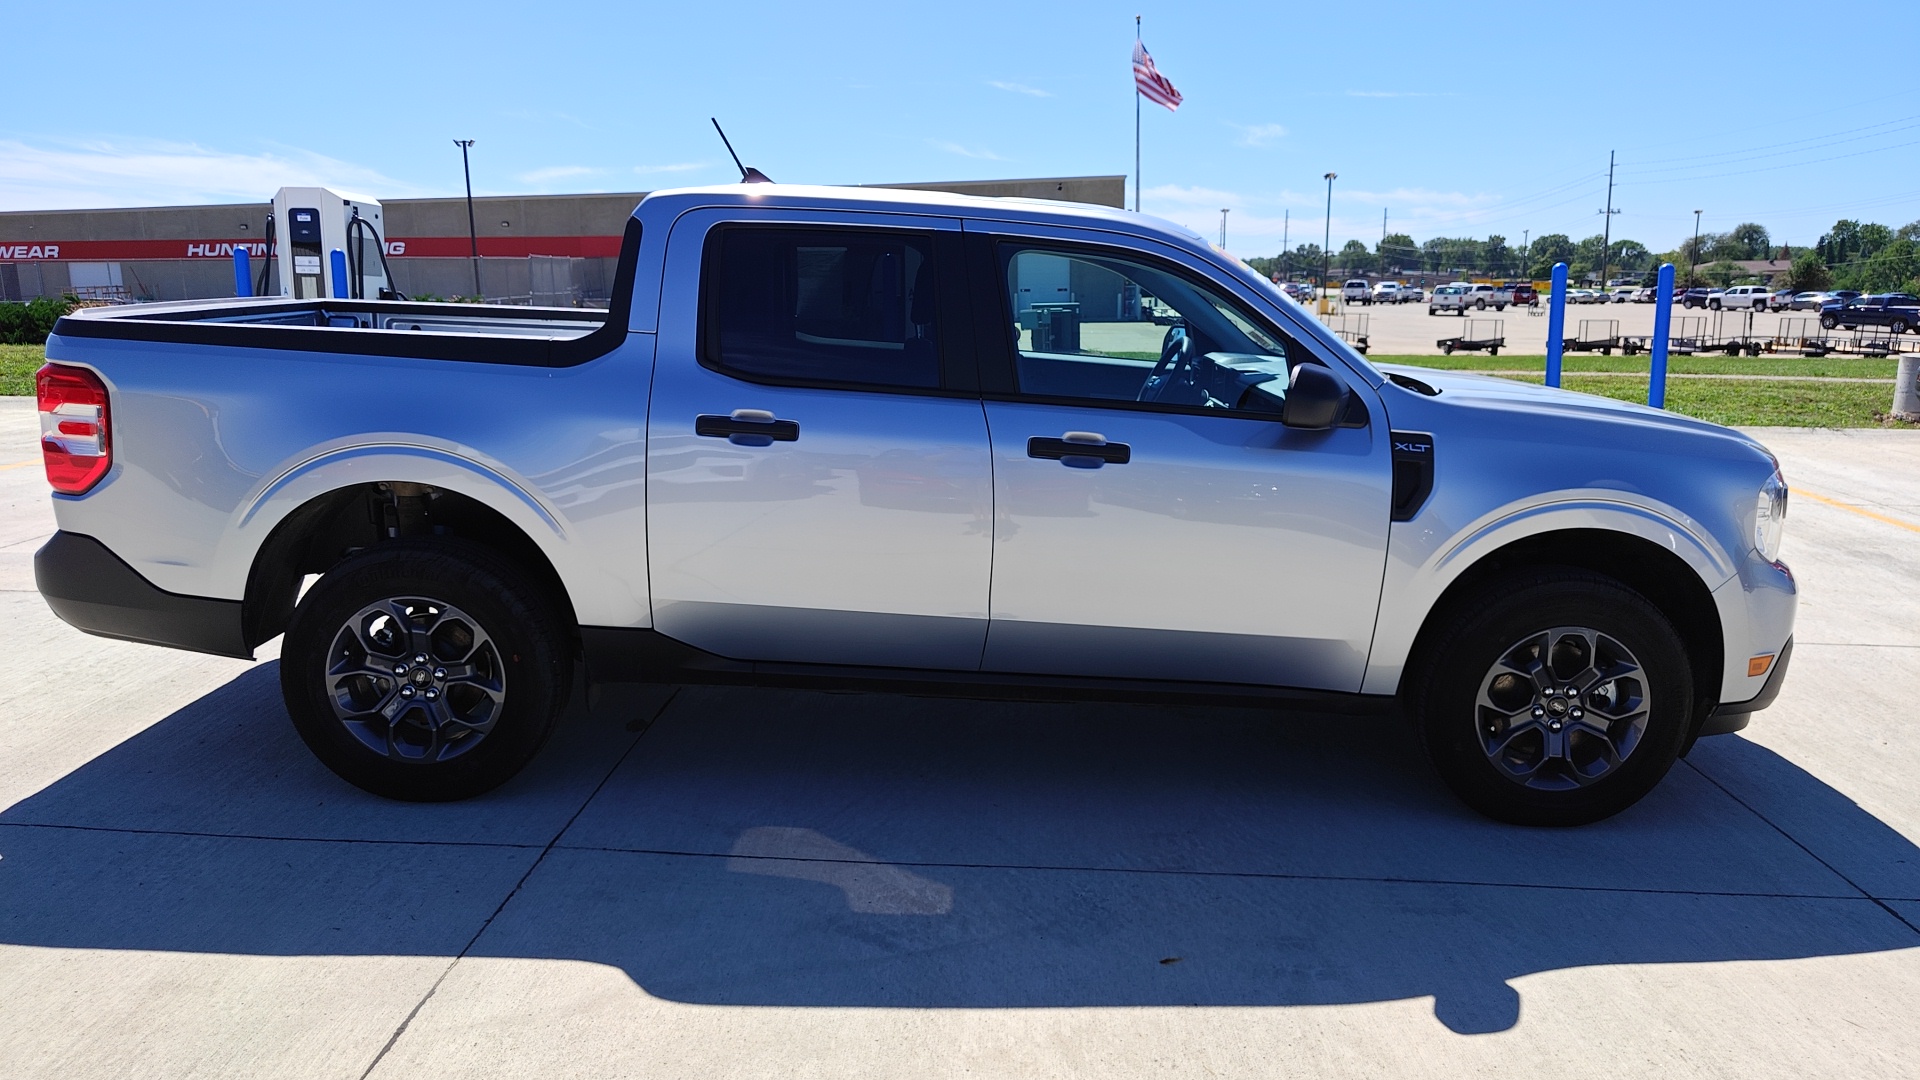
(1153,518)
(818,487)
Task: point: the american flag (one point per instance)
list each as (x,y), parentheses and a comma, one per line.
(1152,85)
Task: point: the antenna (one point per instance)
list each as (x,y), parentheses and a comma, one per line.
(747,176)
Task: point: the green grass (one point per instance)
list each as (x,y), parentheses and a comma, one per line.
(17,365)
(1756,403)
(1851,367)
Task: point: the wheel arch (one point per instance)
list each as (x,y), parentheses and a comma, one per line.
(1657,573)
(328,527)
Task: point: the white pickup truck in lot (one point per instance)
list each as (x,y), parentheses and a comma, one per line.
(845,438)
(1460,296)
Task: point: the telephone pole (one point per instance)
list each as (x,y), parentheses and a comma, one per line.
(1326,241)
(1606,236)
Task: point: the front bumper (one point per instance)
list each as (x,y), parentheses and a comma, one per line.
(1732,716)
(92,589)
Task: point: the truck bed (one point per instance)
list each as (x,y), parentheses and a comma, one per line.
(470,332)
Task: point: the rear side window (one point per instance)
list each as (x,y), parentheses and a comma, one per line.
(829,306)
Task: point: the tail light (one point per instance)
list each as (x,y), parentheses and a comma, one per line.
(75,431)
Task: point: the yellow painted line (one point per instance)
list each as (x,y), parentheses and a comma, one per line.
(20,464)
(1861,510)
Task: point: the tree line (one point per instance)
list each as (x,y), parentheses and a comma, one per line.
(1851,255)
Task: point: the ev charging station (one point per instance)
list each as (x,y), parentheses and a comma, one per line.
(330,244)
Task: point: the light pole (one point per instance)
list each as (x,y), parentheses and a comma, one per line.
(1326,253)
(1694,251)
(1223,228)
(473,232)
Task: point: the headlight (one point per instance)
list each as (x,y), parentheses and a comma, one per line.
(1770,517)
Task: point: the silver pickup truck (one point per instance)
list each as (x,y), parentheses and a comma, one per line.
(906,440)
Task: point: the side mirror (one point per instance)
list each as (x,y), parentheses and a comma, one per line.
(1316,399)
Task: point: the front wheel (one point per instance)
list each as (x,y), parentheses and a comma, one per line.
(1828,322)
(1561,699)
(425,670)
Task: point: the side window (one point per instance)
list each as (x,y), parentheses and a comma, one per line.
(838,307)
(1092,327)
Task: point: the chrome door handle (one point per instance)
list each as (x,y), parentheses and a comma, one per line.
(747,427)
(1080,450)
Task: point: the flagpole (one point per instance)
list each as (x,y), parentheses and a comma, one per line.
(1136,127)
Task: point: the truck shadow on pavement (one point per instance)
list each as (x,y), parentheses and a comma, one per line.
(764,847)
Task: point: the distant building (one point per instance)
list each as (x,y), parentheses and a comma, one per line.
(547,249)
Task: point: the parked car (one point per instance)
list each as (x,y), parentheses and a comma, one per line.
(1806,301)
(1741,298)
(1388,292)
(1780,299)
(1836,297)
(1483,296)
(1412,294)
(1702,298)
(1523,293)
(722,480)
(1646,294)
(1621,294)
(1583,296)
(1898,312)
(1357,291)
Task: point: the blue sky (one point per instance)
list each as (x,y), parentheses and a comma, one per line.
(1456,119)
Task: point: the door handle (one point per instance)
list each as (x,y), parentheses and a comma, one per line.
(746,427)
(1080,450)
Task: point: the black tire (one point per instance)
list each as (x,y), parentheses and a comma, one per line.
(1898,326)
(1479,305)
(483,611)
(1828,322)
(1463,656)
(1499,307)
(1714,305)
(1433,310)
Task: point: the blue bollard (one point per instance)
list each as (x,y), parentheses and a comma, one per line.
(339,259)
(1662,325)
(1556,323)
(242,271)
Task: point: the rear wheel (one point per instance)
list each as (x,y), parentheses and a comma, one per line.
(425,670)
(1898,326)
(1828,322)
(1561,700)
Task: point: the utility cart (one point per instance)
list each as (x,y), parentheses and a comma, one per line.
(1803,336)
(1352,329)
(1596,335)
(1477,335)
(1687,334)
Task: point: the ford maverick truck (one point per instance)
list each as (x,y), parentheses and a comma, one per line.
(841,438)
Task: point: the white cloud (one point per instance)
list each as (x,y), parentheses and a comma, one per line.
(1257,135)
(555,172)
(683,166)
(111,172)
(1018,88)
(964,151)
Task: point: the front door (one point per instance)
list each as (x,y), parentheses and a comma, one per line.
(1153,518)
(818,485)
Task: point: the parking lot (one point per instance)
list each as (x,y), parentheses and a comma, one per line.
(1407,329)
(762,882)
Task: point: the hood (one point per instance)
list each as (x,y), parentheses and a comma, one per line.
(1462,392)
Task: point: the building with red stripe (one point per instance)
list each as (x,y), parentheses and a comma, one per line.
(549,249)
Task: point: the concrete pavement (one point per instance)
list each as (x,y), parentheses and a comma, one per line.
(1407,329)
(756,882)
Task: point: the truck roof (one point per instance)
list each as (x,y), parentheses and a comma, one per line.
(946,204)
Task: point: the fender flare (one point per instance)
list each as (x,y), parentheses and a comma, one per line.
(411,461)
(1411,593)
